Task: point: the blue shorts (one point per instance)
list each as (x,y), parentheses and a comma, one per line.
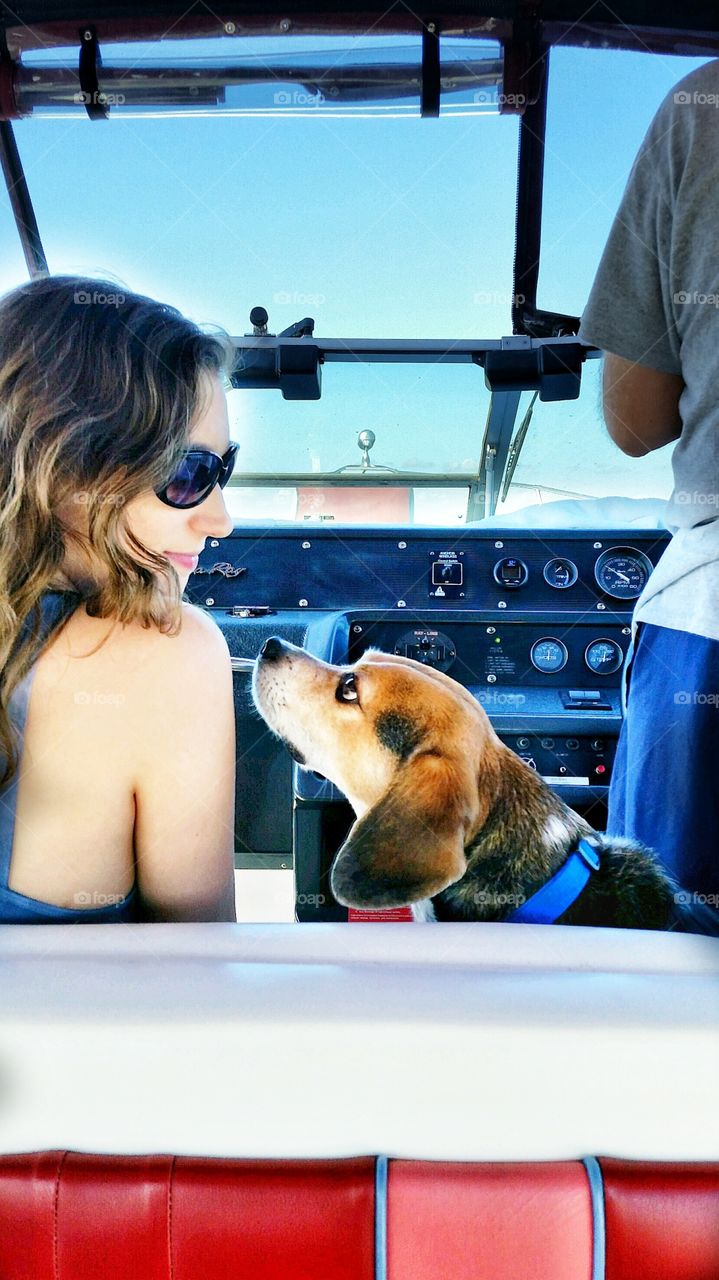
(665,788)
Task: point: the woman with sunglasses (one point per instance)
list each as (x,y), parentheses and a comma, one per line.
(117,736)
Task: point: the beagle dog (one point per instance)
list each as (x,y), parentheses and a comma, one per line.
(449,820)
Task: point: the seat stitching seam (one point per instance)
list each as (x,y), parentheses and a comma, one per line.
(169,1218)
(55,1216)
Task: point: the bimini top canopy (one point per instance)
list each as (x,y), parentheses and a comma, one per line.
(625,24)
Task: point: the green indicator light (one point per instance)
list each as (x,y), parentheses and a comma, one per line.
(497,639)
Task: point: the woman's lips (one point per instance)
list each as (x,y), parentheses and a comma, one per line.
(185,562)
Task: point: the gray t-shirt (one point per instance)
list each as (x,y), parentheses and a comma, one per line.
(655,301)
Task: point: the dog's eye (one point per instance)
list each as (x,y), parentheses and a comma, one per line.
(347,688)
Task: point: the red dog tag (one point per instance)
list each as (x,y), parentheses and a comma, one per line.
(359,914)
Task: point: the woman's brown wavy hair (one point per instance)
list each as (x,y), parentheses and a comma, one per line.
(98,391)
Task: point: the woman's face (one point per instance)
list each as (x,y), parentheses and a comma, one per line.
(176,533)
(171,531)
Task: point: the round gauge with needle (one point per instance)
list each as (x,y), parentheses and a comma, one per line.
(622,572)
(604,656)
(560,573)
(548,654)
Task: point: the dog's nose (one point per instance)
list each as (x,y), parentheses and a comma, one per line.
(272,649)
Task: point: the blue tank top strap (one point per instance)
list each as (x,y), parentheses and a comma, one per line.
(17,711)
(55,607)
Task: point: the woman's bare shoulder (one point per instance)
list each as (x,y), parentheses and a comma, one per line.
(193,621)
(198,648)
(136,650)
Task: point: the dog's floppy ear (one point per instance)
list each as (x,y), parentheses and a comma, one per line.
(410,845)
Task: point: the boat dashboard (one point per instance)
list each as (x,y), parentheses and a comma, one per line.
(536,624)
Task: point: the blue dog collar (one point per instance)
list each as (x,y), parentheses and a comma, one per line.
(557,895)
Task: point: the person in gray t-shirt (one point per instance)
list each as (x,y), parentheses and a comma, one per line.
(654,309)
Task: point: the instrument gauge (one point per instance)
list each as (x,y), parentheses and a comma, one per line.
(560,573)
(622,572)
(548,655)
(510,572)
(603,656)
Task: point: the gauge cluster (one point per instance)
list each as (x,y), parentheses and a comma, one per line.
(617,572)
(514,653)
(419,569)
(603,656)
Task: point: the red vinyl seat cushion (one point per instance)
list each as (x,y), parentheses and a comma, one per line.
(662,1220)
(68,1216)
(466,1221)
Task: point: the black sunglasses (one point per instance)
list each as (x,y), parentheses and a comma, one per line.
(198,473)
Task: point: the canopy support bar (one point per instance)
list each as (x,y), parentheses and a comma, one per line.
(20,201)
